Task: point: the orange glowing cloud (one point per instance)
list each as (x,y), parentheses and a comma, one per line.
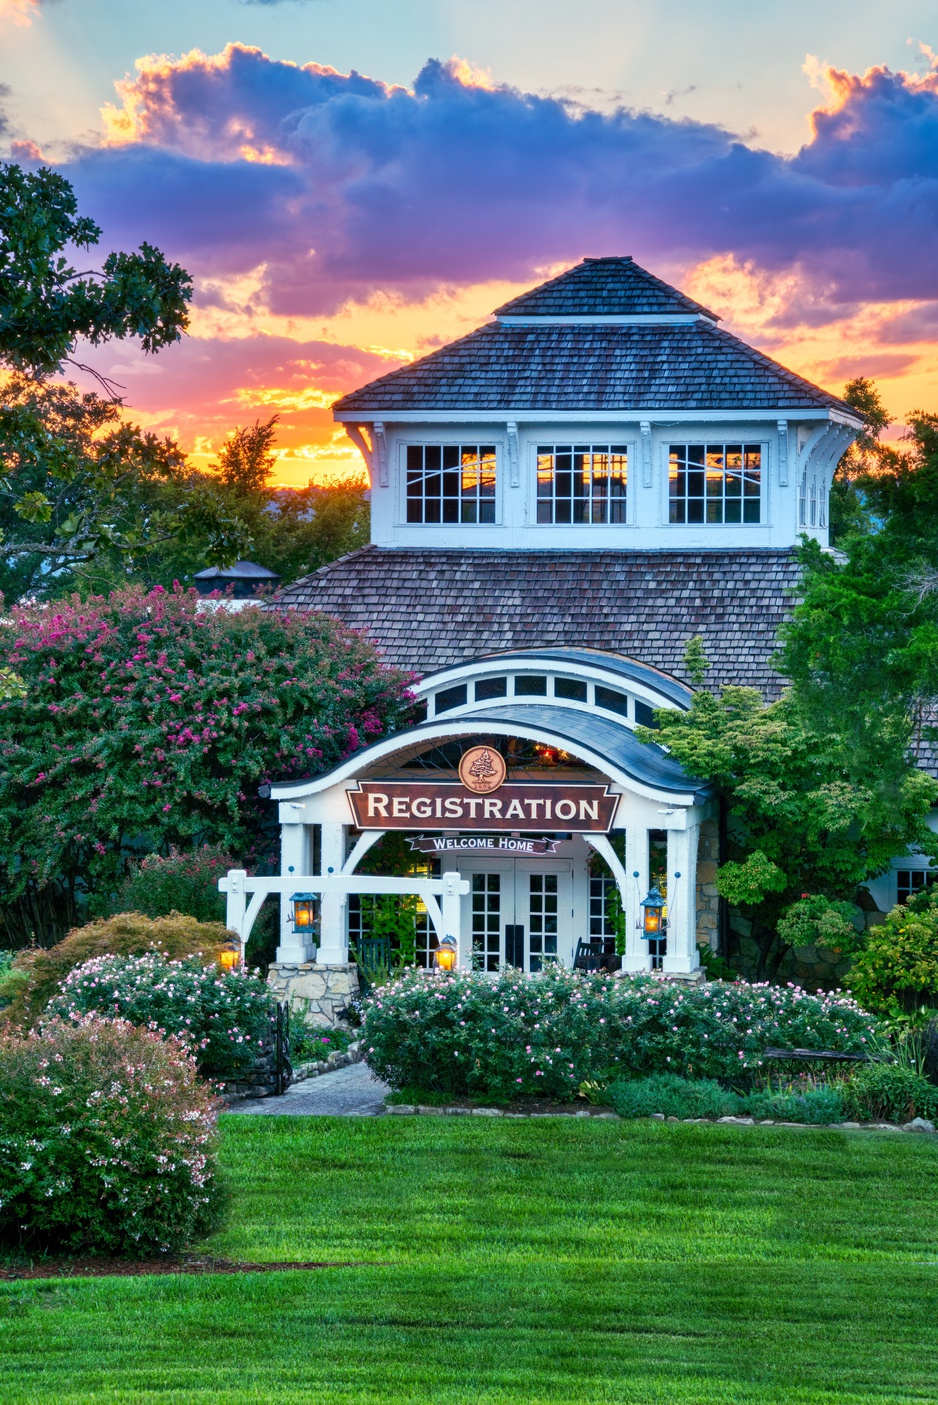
(19,12)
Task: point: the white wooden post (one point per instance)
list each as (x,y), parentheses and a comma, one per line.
(682,955)
(452,926)
(295,947)
(637,955)
(235,904)
(333,922)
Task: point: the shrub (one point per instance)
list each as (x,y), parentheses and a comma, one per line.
(822,1104)
(178,882)
(307,1043)
(673,1096)
(106,1140)
(146,721)
(127,934)
(891,1093)
(224,1017)
(899,967)
(517,1036)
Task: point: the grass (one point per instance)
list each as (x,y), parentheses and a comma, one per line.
(535,1261)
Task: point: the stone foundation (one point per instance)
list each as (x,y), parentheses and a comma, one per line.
(708,899)
(317,995)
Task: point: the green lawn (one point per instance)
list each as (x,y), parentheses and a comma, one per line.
(562,1261)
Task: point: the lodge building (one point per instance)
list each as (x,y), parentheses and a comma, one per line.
(560,501)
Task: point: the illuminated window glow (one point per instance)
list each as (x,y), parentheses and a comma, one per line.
(710,483)
(582,483)
(451,483)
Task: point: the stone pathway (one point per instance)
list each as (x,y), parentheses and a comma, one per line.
(352,1091)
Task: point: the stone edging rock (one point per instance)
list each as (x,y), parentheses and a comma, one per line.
(354,1054)
(918,1124)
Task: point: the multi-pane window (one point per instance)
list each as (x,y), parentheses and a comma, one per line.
(486,921)
(714,482)
(451,483)
(913,880)
(584,483)
(542,942)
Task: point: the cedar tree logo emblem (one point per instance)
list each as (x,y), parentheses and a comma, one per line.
(482,770)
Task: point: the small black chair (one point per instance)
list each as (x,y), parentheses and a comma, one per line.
(373,956)
(589,955)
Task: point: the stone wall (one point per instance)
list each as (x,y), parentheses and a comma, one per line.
(708,899)
(317,995)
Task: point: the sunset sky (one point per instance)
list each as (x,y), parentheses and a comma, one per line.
(353,182)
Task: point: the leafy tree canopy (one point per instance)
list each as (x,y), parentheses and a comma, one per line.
(806,816)
(47,306)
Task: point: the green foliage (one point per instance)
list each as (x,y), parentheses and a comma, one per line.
(673,1096)
(615,918)
(394,918)
(816,920)
(223,1017)
(716,966)
(46,305)
(309,1043)
(806,813)
(849,511)
(83,492)
(513,1036)
(823,1103)
(890,1093)
(39,974)
(148,723)
(178,882)
(11,685)
(898,969)
(293,530)
(106,1141)
(748,883)
(696,663)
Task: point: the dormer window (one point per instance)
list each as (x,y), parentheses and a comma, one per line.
(715,483)
(451,483)
(582,483)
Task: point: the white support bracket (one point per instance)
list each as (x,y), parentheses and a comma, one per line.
(513,461)
(381,450)
(645,427)
(354,432)
(783,453)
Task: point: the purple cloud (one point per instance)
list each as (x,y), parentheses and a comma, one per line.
(341,185)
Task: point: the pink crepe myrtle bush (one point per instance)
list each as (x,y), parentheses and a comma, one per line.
(518,1036)
(145,722)
(223,1017)
(107,1140)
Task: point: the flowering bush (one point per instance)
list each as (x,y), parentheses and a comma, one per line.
(512,1035)
(178,882)
(146,721)
(224,1017)
(38,974)
(106,1140)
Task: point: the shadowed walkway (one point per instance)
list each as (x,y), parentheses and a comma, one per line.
(352,1091)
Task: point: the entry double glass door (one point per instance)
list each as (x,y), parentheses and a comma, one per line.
(518,914)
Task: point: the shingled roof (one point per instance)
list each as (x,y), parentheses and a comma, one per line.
(429,609)
(609,287)
(504,367)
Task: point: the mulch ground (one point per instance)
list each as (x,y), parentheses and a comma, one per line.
(134,1268)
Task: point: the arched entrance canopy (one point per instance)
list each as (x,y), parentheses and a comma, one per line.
(578,705)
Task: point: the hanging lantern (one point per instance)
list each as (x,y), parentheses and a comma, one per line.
(654,922)
(445,955)
(229,955)
(304,911)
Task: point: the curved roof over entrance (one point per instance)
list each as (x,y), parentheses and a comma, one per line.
(599,742)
